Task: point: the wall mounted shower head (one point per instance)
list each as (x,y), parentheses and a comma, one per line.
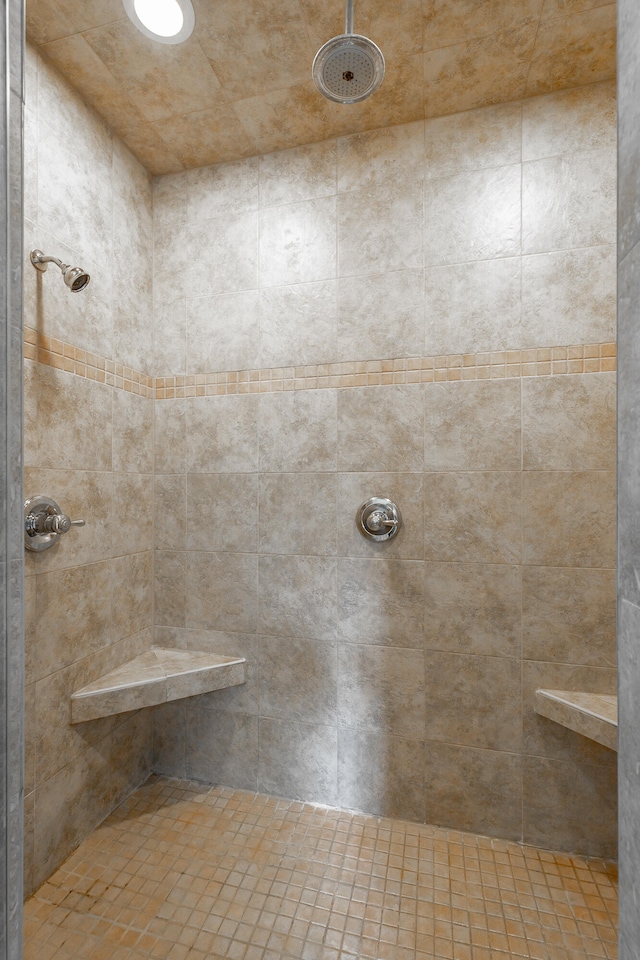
(74,277)
(348,68)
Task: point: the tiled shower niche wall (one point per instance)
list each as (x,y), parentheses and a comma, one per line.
(426,312)
(88,443)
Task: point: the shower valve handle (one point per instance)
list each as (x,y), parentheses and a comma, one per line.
(45,523)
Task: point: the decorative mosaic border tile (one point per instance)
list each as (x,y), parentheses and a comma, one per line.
(541,362)
(64,356)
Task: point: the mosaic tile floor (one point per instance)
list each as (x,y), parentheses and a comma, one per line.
(187,872)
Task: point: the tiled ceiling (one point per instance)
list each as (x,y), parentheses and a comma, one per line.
(241,84)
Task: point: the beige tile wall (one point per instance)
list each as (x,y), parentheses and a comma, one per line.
(89,445)
(395,678)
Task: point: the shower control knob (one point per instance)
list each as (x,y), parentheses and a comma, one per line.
(45,523)
(378,519)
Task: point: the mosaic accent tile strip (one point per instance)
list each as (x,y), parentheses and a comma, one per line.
(82,363)
(540,362)
(190,872)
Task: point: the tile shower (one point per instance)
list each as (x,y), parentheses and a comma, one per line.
(425,312)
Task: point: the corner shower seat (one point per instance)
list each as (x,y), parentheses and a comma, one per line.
(594,715)
(157,676)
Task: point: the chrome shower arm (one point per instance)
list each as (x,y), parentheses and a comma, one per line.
(349,18)
(40,261)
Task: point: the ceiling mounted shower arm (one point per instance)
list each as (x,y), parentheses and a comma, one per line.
(349,17)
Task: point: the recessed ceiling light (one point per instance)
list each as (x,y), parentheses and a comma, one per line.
(167,21)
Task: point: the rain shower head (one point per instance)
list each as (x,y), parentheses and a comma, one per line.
(75,277)
(348,68)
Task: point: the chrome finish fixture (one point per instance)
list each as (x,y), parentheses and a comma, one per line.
(74,277)
(45,523)
(348,68)
(378,519)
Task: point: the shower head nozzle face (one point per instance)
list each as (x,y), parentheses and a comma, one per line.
(76,279)
(348,68)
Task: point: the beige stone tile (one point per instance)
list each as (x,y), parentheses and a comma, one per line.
(245,697)
(472,789)
(472,517)
(132,280)
(569,615)
(132,517)
(146,71)
(256,47)
(472,425)
(297,242)
(222,592)
(298,431)
(172,244)
(379,158)
(473,216)
(170,596)
(298,597)
(298,760)
(27,843)
(91,13)
(569,519)
(170,198)
(372,20)
(474,140)
(222,434)
(222,189)
(381,429)
(569,423)
(68,631)
(381,689)
(446,23)
(301,173)
(473,307)
(74,421)
(81,495)
(474,701)
(131,754)
(569,297)
(405,490)
(68,807)
(170,339)
(170,436)
(222,332)
(46,21)
(580,119)
(381,602)
(298,324)
(30,737)
(180,135)
(170,738)
(473,608)
(545,738)
(572,50)
(222,511)
(477,73)
(381,774)
(132,433)
(297,513)
(133,594)
(222,255)
(30,414)
(572,804)
(30,622)
(298,680)
(568,201)
(221,747)
(170,512)
(380,232)
(30,158)
(57,741)
(381,316)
